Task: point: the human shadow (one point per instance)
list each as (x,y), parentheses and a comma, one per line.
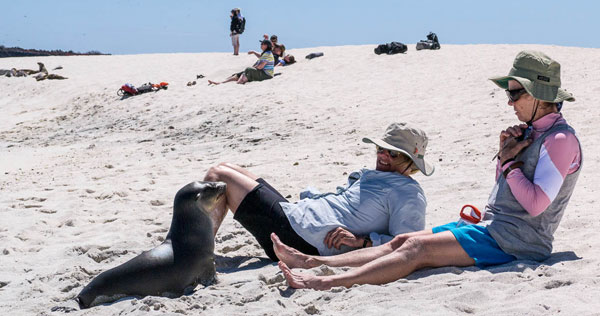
(239,263)
(513,266)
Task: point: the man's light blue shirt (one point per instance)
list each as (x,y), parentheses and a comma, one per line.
(375,203)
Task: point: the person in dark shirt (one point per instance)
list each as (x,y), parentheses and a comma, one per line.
(238,24)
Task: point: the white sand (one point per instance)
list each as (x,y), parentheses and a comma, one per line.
(87,179)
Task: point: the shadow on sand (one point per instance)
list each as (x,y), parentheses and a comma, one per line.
(240,263)
(514,266)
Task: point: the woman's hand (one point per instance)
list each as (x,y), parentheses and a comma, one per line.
(509,145)
(513,131)
(340,236)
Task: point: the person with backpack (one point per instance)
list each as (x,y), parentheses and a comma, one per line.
(238,24)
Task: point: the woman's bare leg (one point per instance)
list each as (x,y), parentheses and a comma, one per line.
(433,250)
(230,79)
(239,185)
(296,259)
(243,79)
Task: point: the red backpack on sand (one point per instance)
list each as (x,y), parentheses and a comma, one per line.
(128,88)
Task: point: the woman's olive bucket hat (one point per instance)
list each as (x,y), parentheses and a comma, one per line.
(538,74)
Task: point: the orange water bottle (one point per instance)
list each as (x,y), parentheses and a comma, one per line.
(473,217)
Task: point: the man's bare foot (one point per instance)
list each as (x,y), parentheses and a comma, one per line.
(212,82)
(290,256)
(303,281)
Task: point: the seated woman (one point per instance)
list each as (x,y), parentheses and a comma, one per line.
(535,178)
(287,60)
(261,70)
(278,51)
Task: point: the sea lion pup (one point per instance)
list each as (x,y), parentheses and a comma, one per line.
(176,266)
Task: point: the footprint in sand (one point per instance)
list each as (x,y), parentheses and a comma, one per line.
(157,203)
(556,284)
(277,279)
(100,256)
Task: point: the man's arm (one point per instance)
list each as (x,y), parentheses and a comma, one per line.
(407,214)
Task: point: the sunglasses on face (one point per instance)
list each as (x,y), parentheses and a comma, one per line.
(514,95)
(392,153)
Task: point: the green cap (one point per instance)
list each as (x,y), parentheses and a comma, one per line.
(538,74)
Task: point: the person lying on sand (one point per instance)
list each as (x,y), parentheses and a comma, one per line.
(262,69)
(286,61)
(534,181)
(373,207)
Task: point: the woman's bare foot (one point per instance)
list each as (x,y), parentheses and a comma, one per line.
(304,281)
(212,82)
(290,256)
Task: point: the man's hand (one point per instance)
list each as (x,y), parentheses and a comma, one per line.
(340,236)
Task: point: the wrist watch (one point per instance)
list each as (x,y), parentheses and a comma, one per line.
(367,240)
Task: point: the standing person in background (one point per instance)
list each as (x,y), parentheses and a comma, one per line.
(238,24)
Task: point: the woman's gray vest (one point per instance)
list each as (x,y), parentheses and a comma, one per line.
(517,232)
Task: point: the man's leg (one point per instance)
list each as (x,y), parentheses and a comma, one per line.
(296,259)
(435,250)
(240,170)
(238,186)
(235,41)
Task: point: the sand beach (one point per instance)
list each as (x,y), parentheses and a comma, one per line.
(87,179)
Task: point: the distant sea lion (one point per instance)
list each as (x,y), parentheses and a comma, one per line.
(176,266)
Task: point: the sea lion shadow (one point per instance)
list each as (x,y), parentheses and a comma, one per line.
(239,263)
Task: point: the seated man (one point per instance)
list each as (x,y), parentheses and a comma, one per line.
(369,211)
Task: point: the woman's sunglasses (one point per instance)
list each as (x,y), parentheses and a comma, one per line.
(392,153)
(514,95)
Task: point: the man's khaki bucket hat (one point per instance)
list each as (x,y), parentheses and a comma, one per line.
(538,74)
(408,140)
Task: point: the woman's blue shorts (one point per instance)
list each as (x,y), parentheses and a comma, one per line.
(477,243)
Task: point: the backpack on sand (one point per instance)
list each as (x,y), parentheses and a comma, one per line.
(432,42)
(129,90)
(391,48)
